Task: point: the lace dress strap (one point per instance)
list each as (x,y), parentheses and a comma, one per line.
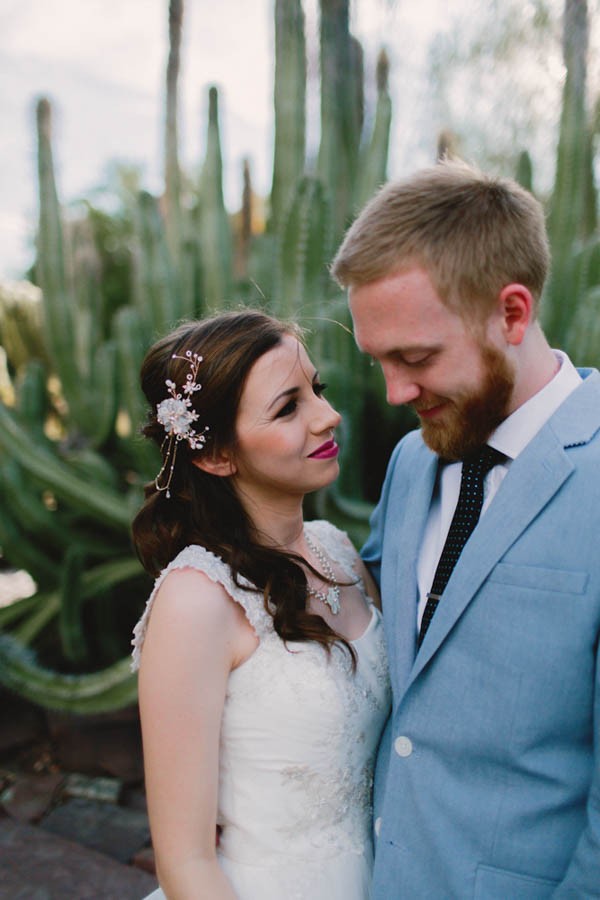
(201,559)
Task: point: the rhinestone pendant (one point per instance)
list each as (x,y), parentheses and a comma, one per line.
(333,601)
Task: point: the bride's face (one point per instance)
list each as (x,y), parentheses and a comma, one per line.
(285,428)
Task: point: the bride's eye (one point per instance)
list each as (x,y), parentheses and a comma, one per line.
(286,410)
(319,388)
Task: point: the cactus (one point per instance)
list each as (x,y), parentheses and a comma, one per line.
(304,250)
(156,293)
(341,112)
(214,228)
(290,102)
(112,688)
(47,469)
(243,232)
(524,173)
(173,211)
(21,322)
(71,629)
(84,363)
(72,463)
(570,221)
(373,165)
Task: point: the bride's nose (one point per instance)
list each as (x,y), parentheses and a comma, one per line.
(326,419)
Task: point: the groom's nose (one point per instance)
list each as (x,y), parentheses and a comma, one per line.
(400,386)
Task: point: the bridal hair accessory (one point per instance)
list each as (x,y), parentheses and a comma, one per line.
(332,597)
(176,415)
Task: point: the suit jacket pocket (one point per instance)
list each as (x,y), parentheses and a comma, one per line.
(562,581)
(501,884)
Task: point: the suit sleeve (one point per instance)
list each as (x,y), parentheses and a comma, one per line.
(582,879)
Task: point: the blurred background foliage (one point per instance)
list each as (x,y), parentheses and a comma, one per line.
(118,269)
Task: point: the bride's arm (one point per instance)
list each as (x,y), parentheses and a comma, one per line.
(189,650)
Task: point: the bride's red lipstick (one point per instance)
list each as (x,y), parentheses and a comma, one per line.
(326,451)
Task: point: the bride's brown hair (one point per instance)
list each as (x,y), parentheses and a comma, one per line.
(204,508)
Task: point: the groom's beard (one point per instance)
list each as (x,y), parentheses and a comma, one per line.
(470,419)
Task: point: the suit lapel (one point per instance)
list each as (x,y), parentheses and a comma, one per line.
(407,541)
(533,479)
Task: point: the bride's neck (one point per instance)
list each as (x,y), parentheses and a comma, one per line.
(280,528)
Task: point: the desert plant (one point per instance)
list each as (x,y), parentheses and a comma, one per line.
(72,465)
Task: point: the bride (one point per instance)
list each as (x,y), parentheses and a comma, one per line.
(262,676)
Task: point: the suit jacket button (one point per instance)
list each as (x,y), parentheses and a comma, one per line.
(403,746)
(377,825)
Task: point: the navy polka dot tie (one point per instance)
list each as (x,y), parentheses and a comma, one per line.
(466,515)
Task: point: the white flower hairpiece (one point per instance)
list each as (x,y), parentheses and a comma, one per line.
(176,415)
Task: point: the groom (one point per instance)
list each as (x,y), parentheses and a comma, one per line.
(488,777)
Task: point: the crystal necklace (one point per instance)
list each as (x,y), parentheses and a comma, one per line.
(332,597)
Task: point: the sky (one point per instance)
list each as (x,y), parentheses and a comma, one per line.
(102,64)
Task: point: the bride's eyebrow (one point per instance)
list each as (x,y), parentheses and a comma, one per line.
(287,393)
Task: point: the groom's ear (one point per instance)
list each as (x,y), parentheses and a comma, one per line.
(220,464)
(516,307)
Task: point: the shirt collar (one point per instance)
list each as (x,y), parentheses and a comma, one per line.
(512,436)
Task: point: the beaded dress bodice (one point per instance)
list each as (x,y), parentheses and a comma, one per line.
(298,739)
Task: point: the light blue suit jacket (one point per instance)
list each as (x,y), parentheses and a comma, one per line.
(488,776)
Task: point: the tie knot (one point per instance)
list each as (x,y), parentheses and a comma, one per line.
(484,458)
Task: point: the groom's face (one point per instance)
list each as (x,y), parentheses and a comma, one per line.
(458,380)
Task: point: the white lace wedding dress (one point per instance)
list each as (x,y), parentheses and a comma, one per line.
(298,740)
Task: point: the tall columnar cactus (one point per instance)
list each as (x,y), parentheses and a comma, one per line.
(341,112)
(374,157)
(59,309)
(304,249)
(243,237)
(570,221)
(290,104)
(156,293)
(84,362)
(214,232)
(173,211)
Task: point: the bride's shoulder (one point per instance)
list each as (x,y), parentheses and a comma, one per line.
(335,542)
(193,572)
(197,588)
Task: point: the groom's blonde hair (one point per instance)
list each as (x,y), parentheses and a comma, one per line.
(472,233)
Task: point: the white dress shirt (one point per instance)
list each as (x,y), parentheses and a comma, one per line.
(510,438)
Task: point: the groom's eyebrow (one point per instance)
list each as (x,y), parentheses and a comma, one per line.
(409,350)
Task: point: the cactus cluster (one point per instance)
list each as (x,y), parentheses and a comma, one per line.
(72,464)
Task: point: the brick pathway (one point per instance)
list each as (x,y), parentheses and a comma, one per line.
(37,865)
(73,821)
